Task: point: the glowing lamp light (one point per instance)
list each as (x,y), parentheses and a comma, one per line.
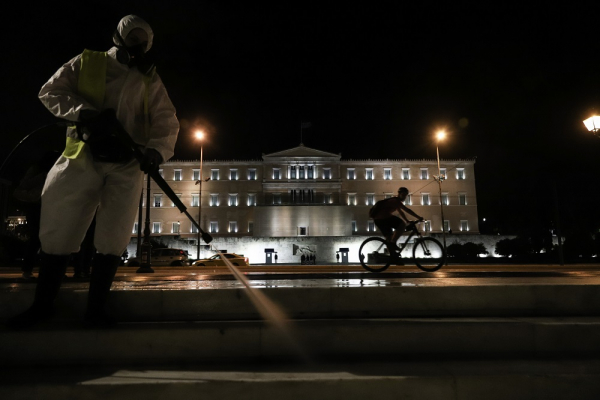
(441,135)
(593,124)
(199,135)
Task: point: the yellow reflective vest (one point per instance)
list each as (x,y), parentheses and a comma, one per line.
(92,86)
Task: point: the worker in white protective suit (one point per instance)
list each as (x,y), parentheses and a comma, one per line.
(94,177)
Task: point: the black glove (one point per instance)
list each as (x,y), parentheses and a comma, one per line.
(151,162)
(94,124)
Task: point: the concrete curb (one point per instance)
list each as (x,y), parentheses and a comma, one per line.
(189,342)
(334,302)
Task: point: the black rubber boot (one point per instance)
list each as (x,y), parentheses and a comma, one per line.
(52,272)
(104,268)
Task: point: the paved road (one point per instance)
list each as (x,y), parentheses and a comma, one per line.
(281,276)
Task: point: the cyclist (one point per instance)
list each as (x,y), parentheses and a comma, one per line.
(382,214)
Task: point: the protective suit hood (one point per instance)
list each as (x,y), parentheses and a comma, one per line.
(129,23)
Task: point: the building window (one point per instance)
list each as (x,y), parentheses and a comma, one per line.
(311,171)
(305,196)
(464,225)
(178,196)
(387,174)
(276,173)
(387,195)
(161,172)
(425,199)
(427,226)
(194,229)
(233,176)
(462,199)
(424,173)
(277,198)
(405,173)
(158,200)
(408,200)
(175,227)
(302,231)
(351,199)
(156,227)
(293,172)
(250,227)
(195,200)
(251,199)
(369,174)
(214,227)
(233,200)
(326,173)
(353,226)
(135,227)
(177,175)
(214,200)
(460,173)
(214,174)
(351,174)
(232,227)
(196,174)
(371,226)
(327,198)
(301,172)
(442,173)
(445,199)
(370,199)
(446,226)
(252,174)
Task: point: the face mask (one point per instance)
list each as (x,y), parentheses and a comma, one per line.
(133,56)
(135,52)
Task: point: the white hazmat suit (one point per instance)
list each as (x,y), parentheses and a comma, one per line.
(77,188)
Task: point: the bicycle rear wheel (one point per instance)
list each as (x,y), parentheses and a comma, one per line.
(428,254)
(374,255)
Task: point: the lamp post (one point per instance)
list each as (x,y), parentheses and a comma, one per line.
(146,258)
(441,135)
(200,137)
(593,125)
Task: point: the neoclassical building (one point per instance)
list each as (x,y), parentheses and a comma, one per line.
(305,192)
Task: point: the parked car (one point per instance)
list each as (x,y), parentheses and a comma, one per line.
(216,260)
(164,257)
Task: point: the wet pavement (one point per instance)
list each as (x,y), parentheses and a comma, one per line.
(327,276)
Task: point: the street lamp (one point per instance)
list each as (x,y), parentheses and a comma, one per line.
(441,135)
(200,136)
(593,125)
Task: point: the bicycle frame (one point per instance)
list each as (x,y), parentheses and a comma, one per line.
(413,232)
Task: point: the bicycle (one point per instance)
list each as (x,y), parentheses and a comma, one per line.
(428,253)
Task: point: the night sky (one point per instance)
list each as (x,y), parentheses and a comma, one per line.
(375,79)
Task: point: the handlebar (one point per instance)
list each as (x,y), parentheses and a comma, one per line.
(411,224)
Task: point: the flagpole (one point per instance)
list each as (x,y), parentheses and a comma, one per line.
(301,126)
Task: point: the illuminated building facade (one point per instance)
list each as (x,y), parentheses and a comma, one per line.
(305,192)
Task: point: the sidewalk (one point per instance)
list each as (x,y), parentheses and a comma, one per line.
(498,379)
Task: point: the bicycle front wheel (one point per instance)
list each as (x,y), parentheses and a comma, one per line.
(374,255)
(428,254)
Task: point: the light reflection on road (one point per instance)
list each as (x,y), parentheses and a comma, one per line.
(185,279)
(259,284)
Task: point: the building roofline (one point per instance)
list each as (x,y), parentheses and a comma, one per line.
(172,161)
